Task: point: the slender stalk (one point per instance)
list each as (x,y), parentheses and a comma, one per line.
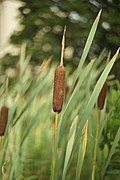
(96,146)
(55,149)
(55,127)
(1,144)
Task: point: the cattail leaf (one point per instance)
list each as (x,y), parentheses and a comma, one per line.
(22,59)
(82,150)
(70,145)
(103,120)
(112,150)
(87,45)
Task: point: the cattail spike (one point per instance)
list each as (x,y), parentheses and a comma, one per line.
(3,119)
(102,96)
(4,112)
(59,86)
(63,46)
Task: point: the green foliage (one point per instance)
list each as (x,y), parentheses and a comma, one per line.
(114,117)
(28,149)
(28,145)
(110,130)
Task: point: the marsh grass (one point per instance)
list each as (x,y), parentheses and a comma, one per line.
(28,148)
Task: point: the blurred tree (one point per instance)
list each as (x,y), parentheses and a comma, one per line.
(42,23)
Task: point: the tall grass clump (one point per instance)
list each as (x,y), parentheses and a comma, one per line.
(36,146)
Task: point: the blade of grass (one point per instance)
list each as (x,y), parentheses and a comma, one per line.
(82,150)
(115,142)
(96,146)
(87,46)
(70,145)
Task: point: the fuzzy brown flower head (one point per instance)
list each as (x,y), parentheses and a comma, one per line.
(59,87)
(102,96)
(3,119)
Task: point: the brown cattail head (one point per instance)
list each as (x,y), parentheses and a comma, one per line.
(3,119)
(102,96)
(59,86)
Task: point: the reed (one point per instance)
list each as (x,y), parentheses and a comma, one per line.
(58,97)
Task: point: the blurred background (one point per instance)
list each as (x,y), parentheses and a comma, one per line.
(40,24)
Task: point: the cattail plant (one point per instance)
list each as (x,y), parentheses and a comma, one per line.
(58,96)
(4,113)
(101,102)
(59,85)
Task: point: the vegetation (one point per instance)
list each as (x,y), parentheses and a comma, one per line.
(28,150)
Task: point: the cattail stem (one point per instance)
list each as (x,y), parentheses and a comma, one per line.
(96,145)
(55,127)
(55,149)
(1,143)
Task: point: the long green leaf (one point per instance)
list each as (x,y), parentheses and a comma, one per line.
(87,45)
(70,145)
(81,154)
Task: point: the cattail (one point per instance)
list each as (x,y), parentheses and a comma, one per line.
(59,81)
(3,119)
(59,86)
(102,96)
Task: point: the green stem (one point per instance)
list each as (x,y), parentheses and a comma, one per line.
(1,144)
(55,148)
(96,146)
